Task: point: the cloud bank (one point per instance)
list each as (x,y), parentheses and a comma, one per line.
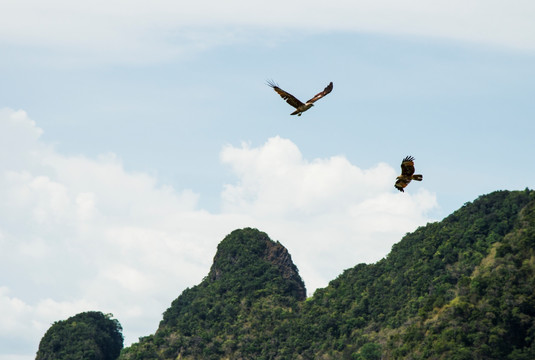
(81,233)
(160,30)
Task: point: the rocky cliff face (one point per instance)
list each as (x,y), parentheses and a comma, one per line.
(278,255)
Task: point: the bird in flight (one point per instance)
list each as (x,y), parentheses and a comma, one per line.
(407,174)
(296,103)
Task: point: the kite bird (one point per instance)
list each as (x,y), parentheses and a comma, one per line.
(296,103)
(407,174)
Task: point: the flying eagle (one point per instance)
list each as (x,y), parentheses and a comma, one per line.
(296,103)
(407,174)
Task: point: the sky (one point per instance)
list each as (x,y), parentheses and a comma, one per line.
(135,135)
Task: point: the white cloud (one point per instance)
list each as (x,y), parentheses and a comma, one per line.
(24,324)
(328,212)
(80,234)
(276,179)
(140,31)
(16,309)
(74,228)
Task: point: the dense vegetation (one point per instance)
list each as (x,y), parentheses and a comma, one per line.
(458,289)
(86,336)
(492,312)
(462,288)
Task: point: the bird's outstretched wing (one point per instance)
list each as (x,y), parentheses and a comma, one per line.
(290,99)
(407,166)
(319,95)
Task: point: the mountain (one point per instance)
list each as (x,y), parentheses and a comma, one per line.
(89,336)
(461,288)
(242,309)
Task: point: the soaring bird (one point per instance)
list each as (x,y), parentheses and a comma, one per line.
(296,103)
(407,174)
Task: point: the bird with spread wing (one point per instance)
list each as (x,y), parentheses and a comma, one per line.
(296,103)
(407,174)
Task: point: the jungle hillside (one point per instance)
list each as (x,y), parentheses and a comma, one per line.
(461,288)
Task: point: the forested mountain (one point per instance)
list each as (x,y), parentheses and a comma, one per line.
(88,336)
(461,288)
(244,308)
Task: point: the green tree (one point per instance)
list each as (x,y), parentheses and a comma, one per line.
(369,351)
(85,336)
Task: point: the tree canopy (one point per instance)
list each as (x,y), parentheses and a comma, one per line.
(85,336)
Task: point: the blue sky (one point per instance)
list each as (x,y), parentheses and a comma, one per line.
(135,136)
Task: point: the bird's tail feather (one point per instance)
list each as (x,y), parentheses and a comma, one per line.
(417,177)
